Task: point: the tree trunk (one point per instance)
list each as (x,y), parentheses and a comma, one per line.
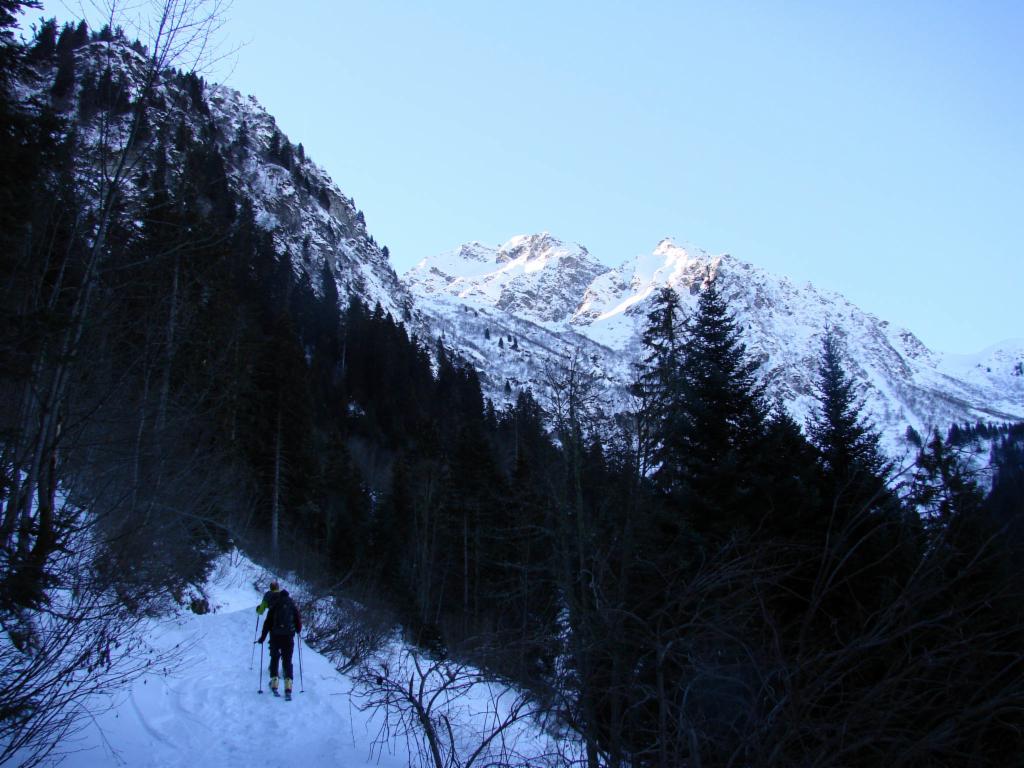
(275,503)
(172,322)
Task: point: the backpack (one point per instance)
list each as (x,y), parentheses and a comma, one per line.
(284,617)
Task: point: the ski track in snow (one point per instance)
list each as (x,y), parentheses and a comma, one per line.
(207,712)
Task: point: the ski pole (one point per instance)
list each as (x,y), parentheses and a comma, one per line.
(261,668)
(254,636)
(302,684)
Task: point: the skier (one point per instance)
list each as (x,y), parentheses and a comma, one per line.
(283,622)
(269,597)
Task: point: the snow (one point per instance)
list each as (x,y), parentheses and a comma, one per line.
(203,708)
(1002,355)
(556,304)
(206,711)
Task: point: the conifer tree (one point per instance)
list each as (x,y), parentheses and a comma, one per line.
(853,467)
(9,49)
(662,386)
(867,538)
(718,434)
(64,82)
(789,480)
(45,42)
(81,36)
(942,487)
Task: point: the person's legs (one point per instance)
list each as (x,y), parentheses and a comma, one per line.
(275,656)
(287,647)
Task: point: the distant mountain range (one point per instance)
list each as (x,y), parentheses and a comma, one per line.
(554,298)
(521,309)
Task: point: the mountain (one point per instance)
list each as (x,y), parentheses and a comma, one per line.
(178,380)
(295,201)
(554,298)
(520,310)
(308,215)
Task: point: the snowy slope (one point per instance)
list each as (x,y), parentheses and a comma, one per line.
(207,712)
(535,277)
(307,215)
(556,300)
(204,708)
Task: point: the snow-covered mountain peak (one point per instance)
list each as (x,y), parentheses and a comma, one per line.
(296,201)
(684,268)
(476,252)
(537,275)
(519,308)
(535,252)
(1002,361)
(555,298)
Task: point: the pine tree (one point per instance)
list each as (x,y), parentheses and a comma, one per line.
(45,45)
(788,479)
(9,49)
(942,487)
(661,382)
(867,539)
(274,148)
(853,467)
(64,81)
(714,417)
(913,437)
(81,35)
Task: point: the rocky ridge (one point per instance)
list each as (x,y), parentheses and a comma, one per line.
(556,300)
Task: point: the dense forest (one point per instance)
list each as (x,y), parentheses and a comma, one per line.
(697,581)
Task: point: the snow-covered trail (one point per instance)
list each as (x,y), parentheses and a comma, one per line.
(206,710)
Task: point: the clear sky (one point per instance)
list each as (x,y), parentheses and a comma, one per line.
(873,148)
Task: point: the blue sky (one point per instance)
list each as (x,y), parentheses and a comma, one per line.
(871,148)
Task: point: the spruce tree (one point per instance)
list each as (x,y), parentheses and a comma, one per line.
(45,42)
(10,51)
(943,487)
(789,479)
(64,81)
(720,426)
(853,467)
(661,386)
(81,35)
(868,541)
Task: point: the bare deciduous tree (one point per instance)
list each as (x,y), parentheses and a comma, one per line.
(70,621)
(60,660)
(452,716)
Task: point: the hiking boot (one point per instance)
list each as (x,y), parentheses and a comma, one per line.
(287,689)
(273,686)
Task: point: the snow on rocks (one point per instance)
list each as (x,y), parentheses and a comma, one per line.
(561,301)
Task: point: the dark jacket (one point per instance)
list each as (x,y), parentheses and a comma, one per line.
(283,618)
(269,598)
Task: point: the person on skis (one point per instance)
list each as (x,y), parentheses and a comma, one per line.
(269,597)
(283,622)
